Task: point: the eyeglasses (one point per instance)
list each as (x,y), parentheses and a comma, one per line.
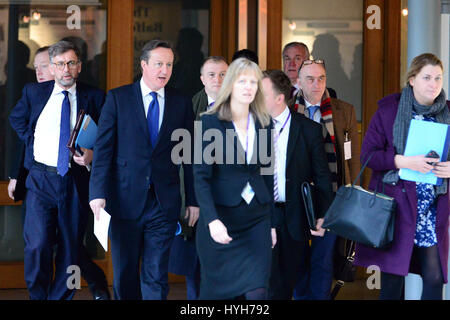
(70,64)
(308,62)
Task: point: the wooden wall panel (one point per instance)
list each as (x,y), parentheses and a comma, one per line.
(274,33)
(120,43)
(223,28)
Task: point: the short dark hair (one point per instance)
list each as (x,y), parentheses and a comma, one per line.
(62,47)
(280,83)
(215,59)
(246,53)
(42,49)
(152,45)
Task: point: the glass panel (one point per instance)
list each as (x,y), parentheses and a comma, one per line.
(11,239)
(185,23)
(24,29)
(333,31)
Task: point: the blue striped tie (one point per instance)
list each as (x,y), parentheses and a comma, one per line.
(64,136)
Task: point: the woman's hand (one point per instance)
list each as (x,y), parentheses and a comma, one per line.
(442,169)
(273,233)
(416,163)
(219,232)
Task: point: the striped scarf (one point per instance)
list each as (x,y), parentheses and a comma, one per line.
(328,130)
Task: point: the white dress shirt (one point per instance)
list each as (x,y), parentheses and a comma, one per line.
(46,134)
(317,114)
(147,98)
(282,144)
(247,193)
(210,100)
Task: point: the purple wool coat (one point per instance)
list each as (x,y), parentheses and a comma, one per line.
(397,258)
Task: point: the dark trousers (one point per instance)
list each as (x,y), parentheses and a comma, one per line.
(286,261)
(316,269)
(52,217)
(147,240)
(193,283)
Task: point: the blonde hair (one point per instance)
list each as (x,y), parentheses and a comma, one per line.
(421,61)
(257,106)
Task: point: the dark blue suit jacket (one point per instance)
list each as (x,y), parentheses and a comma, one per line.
(125,162)
(222,183)
(24,116)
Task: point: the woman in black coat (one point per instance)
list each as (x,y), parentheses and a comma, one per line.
(234,188)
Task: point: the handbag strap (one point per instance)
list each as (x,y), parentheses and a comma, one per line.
(362,169)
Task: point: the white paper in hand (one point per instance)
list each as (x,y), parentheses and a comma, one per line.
(101,227)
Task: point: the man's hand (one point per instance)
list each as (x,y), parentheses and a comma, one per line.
(320,232)
(274,237)
(96,205)
(219,232)
(85,159)
(192,213)
(12,187)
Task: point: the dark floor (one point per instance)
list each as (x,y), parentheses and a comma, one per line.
(351,291)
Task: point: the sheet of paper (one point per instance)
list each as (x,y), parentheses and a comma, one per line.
(101,227)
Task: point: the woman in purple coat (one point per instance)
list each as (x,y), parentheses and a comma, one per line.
(422,220)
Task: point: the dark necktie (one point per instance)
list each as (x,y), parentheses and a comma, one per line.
(64,136)
(153,118)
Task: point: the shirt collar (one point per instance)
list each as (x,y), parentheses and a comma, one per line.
(57,89)
(210,100)
(146,90)
(307,104)
(281,118)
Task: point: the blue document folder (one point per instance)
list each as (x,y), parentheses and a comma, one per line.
(88,133)
(424,136)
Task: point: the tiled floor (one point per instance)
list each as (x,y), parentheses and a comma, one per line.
(351,291)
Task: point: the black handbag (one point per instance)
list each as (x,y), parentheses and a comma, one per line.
(365,217)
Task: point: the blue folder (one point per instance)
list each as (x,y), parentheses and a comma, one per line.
(88,133)
(424,136)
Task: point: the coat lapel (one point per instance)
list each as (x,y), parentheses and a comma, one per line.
(138,106)
(44,96)
(292,140)
(165,119)
(81,99)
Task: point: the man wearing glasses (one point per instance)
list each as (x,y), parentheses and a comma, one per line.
(57,183)
(342,146)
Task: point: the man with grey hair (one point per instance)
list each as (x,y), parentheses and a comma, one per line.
(57,182)
(135,178)
(294,53)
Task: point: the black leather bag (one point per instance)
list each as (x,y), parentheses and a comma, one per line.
(365,217)
(309,201)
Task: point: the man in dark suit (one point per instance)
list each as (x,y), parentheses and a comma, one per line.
(57,205)
(299,157)
(212,74)
(133,169)
(92,273)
